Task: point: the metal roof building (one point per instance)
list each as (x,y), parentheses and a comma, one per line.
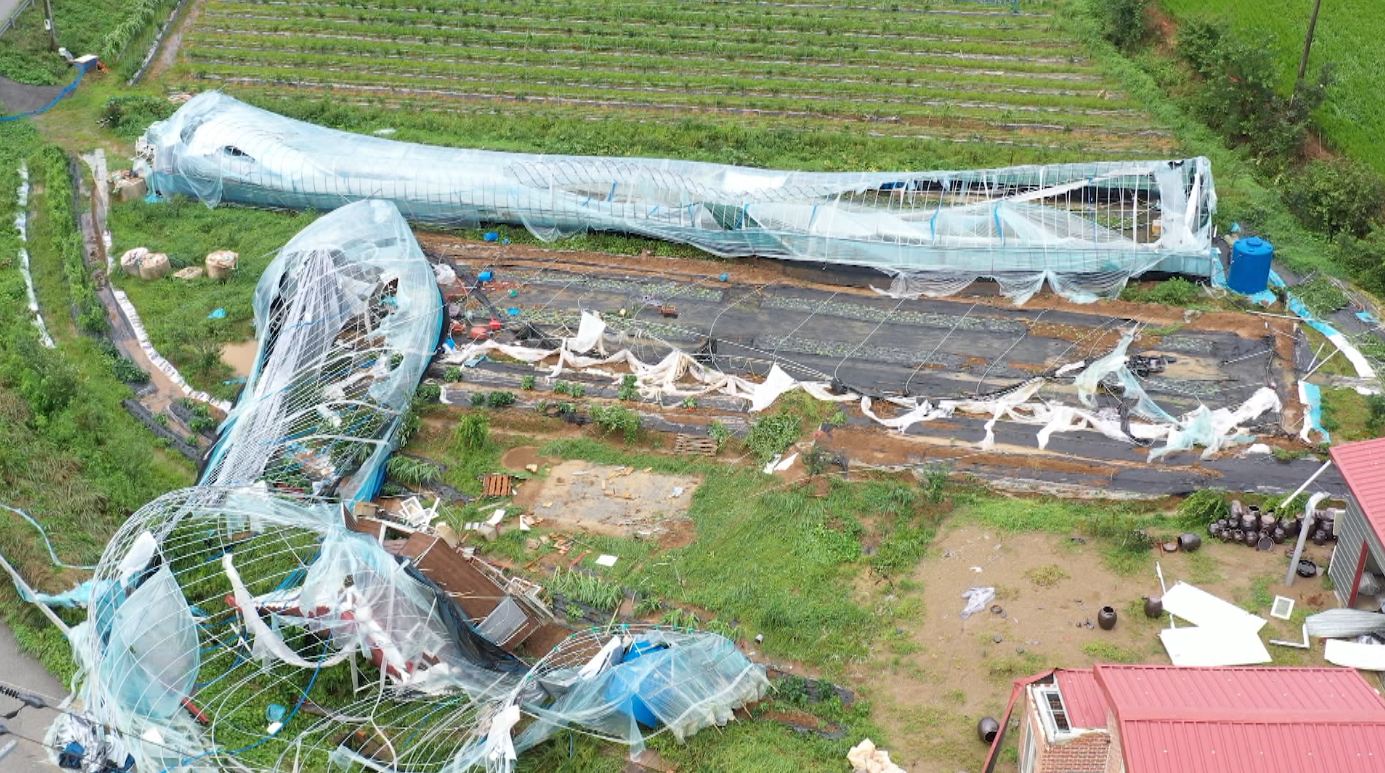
(1361,530)
(1166,719)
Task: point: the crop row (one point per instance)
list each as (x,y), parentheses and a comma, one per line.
(1001,57)
(958,12)
(927,92)
(817,143)
(923,113)
(813,76)
(519,28)
(1017,71)
(686,16)
(941,120)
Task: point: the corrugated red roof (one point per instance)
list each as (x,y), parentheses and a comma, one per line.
(1363,467)
(1082,697)
(1245,720)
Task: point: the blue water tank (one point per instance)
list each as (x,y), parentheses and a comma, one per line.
(1250,265)
(630,681)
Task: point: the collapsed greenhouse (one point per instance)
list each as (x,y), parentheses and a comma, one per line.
(252,623)
(348,316)
(1085,229)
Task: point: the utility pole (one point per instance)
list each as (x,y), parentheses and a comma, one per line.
(1308,41)
(48,22)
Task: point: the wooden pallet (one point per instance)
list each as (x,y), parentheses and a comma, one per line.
(497,485)
(694,444)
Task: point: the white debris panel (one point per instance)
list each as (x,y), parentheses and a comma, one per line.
(679,375)
(1084,229)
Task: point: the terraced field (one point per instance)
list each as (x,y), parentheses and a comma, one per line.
(867,80)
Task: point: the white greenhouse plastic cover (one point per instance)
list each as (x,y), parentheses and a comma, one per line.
(348,315)
(1083,228)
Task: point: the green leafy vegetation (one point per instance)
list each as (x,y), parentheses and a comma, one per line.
(119,31)
(1336,196)
(175,311)
(614,418)
(1321,295)
(595,592)
(1348,415)
(412,471)
(1203,507)
(471,434)
(1177,292)
(69,453)
(1123,21)
(771,435)
(1353,118)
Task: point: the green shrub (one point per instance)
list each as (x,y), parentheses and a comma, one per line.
(613,418)
(471,433)
(1364,259)
(1238,95)
(1320,294)
(500,399)
(770,435)
(595,592)
(718,432)
(1171,292)
(527,383)
(412,471)
(1123,22)
(627,388)
(126,370)
(1336,196)
(428,393)
(570,389)
(128,116)
(452,374)
(1203,507)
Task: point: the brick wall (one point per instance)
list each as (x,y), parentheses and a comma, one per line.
(1086,753)
(1115,762)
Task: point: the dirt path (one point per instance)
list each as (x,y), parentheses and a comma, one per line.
(931,681)
(173,42)
(24,671)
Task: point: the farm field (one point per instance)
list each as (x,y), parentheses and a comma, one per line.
(864,85)
(1348,36)
(120,31)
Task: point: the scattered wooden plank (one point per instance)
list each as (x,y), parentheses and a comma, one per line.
(694,444)
(497,485)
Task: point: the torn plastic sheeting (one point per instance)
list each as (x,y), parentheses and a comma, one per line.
(772,388)
(1311,397)
(1299,309)
(978,598)
(348,314)
(21,224)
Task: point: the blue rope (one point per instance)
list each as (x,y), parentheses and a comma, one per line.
(44,534)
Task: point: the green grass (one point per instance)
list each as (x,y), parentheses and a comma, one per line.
(1348,33)
(175,311)
(1347,415)
(118,30)
(69,453)
(767,558)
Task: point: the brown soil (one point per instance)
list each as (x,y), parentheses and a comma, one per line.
(935,678)
(240,356)
(168,51)
(761,272)
(519,458)
(603,499)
